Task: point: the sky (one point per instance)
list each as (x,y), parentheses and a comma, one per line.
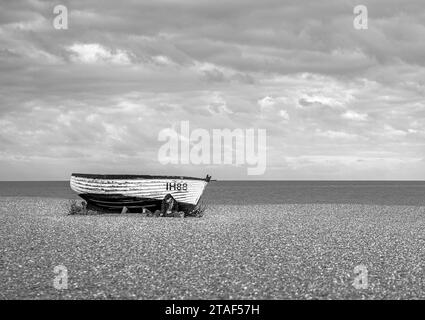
(336,102)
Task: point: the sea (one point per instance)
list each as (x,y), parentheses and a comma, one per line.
(263,192)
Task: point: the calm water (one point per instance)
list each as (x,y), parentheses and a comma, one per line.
(263,192)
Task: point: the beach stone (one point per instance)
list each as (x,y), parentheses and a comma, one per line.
(289,251)
(178,214)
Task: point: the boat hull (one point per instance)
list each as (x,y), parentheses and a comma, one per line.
(113,192)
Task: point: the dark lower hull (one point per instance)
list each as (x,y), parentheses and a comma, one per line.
(115,203)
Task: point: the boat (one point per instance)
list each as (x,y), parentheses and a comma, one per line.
(113,192)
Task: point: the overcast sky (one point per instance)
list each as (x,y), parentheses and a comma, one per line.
(337,103)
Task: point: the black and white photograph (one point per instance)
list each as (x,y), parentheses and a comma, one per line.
(212,150)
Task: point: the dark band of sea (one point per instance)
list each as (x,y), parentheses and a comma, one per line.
(263,192)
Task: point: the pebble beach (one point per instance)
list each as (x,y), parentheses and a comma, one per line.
(263,251)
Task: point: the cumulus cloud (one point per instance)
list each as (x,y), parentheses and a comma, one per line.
(96,53)
(284,114)
(352,115)
(266,102)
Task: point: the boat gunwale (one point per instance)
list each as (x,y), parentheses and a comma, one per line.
(132,176)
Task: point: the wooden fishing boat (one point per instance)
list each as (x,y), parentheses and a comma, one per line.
(135,192)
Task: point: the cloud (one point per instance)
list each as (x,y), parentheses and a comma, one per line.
(162,60)
(284,114)
(336,135)
(266,102)
(218,105)
(95,96)
(352,115)
(96,53)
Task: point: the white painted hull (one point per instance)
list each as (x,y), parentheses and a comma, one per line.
(187,191)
